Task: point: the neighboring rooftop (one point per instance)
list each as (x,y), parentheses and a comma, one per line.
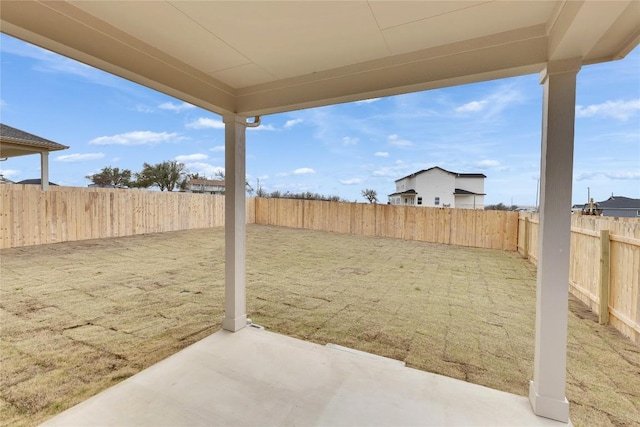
(457,174)
(461,191)
(403,193)
(4,180)
(34,181)
(15,142)
(199,181)
(620,202)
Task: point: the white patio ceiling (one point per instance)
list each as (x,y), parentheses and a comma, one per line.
(261,57)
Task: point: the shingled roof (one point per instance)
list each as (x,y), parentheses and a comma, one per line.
(620,202)
(11,135)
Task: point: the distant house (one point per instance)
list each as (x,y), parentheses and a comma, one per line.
(4,180)
(208,186)
(620,206)
(15,142)
(437,187)
(34,181)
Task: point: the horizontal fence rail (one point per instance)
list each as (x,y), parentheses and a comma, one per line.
(605,266)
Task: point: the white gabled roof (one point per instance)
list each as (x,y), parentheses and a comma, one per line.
(456,174)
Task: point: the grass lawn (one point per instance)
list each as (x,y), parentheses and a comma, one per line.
(78,317)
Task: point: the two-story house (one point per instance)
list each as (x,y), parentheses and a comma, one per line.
(440,188)
(209,186)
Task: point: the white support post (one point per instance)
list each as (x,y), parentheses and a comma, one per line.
(547,390)
(44,170)
(235,317)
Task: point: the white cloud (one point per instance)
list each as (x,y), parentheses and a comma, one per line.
(381,154)
(203,168)
(291,123)
(398,142)
(299,171)
(398,169)
(487,163)
(205,123)
(303,171)
(8,173)
(191,157)
(352,181)
(141,108)
(367,101)
(50,62)
(141,137)
(619,110)
(262,127)
(209,123)
(263,177)
(610,175)
(386,171)
(3,103)
(472,106)
(217,149)
(79,157)
(176,107)
(347,140)
(115,159)
(493,104)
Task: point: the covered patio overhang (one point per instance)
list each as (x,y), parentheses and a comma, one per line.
(15,142)
(251,58)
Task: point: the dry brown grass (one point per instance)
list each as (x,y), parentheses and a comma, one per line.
(76,318)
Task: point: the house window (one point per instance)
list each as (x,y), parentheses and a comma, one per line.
(638,212)
(405,200)
(419,200)
(437,201)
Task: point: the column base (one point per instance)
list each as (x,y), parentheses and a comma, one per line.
(234,325)
(548,407)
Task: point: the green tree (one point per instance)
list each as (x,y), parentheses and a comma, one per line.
(166,175)
(111,176)
(370,194)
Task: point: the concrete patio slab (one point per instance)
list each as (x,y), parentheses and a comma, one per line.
(255,377)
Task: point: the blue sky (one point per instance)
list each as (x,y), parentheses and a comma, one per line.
(492,127)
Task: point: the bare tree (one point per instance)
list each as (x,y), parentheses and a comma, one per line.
(370,195)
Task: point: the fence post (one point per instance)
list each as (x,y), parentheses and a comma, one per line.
(527,227)
(604,276)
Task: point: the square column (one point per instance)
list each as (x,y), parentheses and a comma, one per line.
(44,170)
(547,390)
(235,317)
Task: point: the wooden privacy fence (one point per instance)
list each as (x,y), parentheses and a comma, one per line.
(605,253)
(605,266)
(30,216)
(463,227)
